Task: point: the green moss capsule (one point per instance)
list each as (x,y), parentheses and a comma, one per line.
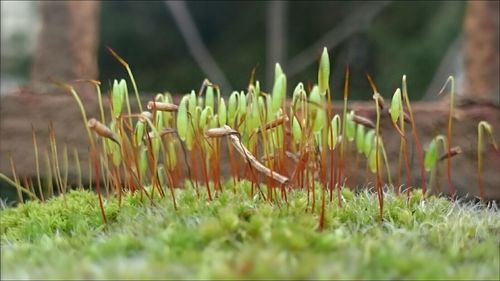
(350,127)
(315,100)
(171,156)
(296,131)
(360,138)
(369,139)
(279,93)
(324,72)
(232,108)
(182,118)
(192,102)
(396,106)
(143,161)
(222,113)
(139,132)
(431,156)
(334,131)
(206,114)
(209,97)
(117,99)
(319,121)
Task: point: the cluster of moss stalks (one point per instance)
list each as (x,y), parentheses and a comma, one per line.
(284,212)
(285,146)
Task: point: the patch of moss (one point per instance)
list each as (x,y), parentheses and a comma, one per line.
(241,236)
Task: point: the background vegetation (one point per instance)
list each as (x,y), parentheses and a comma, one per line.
(405,37)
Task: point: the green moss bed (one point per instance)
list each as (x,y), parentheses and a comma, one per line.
(240,236)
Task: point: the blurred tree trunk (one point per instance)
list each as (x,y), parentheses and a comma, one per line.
(481,51)
(67,45)
(276,38)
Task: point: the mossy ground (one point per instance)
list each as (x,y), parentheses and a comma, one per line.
(238,236)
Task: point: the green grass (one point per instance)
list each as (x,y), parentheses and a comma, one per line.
(237,236)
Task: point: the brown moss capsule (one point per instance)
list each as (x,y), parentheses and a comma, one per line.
(162,106)
(102,130)
(220,132)
(250,158)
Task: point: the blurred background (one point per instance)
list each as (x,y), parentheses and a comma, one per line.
(174,45)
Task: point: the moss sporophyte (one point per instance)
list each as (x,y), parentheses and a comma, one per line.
(283,158)
(282,146)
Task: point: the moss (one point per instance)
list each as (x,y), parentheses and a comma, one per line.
(238,236)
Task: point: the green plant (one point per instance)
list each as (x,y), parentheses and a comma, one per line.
(418,146)
(450,80)
(379,105)
(302,145)
(432,157)
(397,113)
(483,127)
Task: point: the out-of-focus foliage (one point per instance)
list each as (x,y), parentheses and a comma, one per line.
(406,37)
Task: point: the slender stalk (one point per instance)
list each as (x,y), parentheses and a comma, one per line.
(386,161)
(480,162)
(29,183)
(66,167)
(233,167)
(377,157)
(322,214)
(16,180)
(450,80)
(98,188)
(481,127)
(50,187)
(78,168)
(415,136)
(35,146)
(72,91)
(55,157)
(407,167)
(204,170)
(344,118)
(129,71)
(171,185)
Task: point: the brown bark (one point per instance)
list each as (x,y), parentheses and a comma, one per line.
(481,30)
(67,45)
(17,113)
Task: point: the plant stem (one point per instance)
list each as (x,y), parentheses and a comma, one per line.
(450,120)
(344,115)
(378,181)
(415,136)
(129,71)
(35,145)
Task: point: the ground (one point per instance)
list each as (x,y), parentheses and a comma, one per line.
(240,236)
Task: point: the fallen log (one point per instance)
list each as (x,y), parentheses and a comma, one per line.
(18,113)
